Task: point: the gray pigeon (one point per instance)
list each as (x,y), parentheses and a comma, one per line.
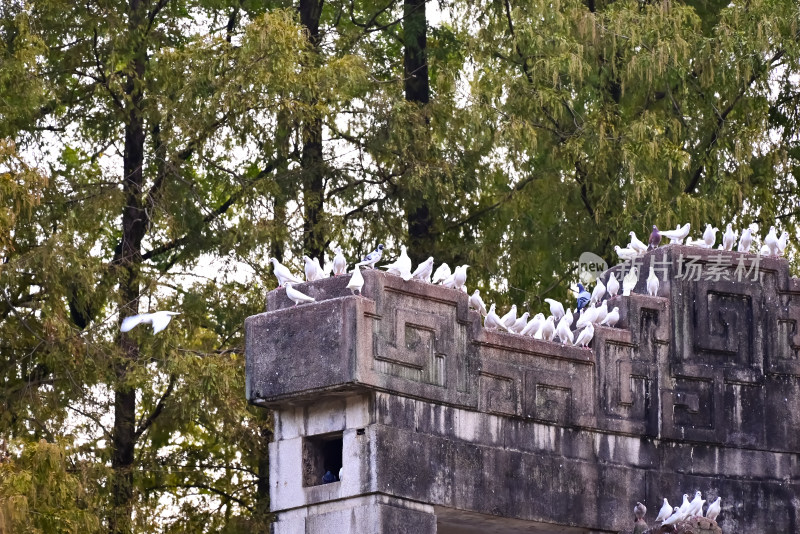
(655,238)
(373,257)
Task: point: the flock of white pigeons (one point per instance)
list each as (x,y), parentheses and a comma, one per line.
(560,321)
(591,308)
(670,516)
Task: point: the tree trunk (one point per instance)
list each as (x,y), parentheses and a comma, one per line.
(134,224)
(311,159)
(417,89)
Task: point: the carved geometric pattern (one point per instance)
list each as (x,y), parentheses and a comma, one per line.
(412,353)
(549,397)
(724,327)
(785,356)
(498,394)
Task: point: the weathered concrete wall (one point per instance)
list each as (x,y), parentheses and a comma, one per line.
(698,388)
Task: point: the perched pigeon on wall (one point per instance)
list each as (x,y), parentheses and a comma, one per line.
(665,512)
(356,281)
(373,257)
(678,234)
(282,273)
(296,296)
(655,238)
(612,286)
(582,299)
(556,308)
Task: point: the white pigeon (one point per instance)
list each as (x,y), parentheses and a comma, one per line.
(441,274)
(665,512)
(586,335)
(697,243)
(782,241)
(587,316)
(710,235)
(714,509)
(626,254)
(677,235)
(339,262)
(556,309)
(563,331)
(764,250)
(533,325)
(401,266)
(771,241)
(356,282)
(684,509)
(476,302)
(296,296)
(745,240)
(696,506)
(635,244)
(283,274)
(510,318)
(548,329)
(598,292)
(652,283)
(159,320)
(373,257)
(310,269)
(520,324)
(629,281)
(568,317)
(728,238)
(423,272)
(460,276)
(321,274)
(674,518)
(612,286)
(492,321)
(612,318)
(602,311)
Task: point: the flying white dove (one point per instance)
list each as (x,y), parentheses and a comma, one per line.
(476,302)
(585,337)
(401,266)
(520,324)
(612,318)
(310,269)
(563,331)
(373,257)
(629,281)
(601,314)
(423,271)
(556,309)
(586,317)
(652,283)
(159,320)
(356,281)
(549,328)
(665,512)
(598,292)
(283,274)
(296,296)
(728,238)
(713,509)
(612,286)
(533,325)
(442,273)
(492,321)
(510,318)
(745,240)
(635,244)
(696,506)
(626,254)
(678,234)
(710,235)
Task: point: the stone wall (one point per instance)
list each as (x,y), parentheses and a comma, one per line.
(445,425)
